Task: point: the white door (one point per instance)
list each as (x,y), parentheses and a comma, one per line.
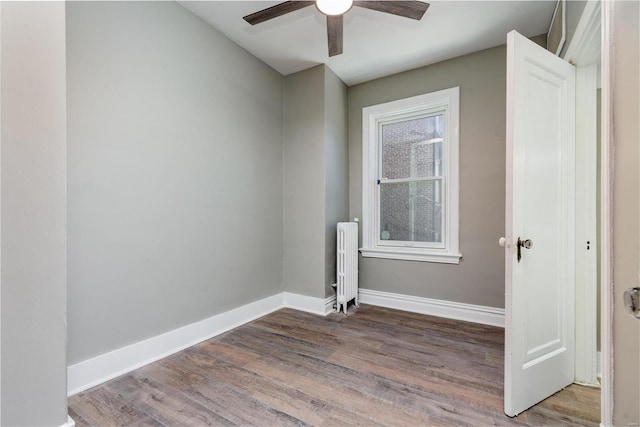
(540,207)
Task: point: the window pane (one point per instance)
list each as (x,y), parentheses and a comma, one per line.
(411,211)
(412,148)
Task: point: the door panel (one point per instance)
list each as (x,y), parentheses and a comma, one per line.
(539,340)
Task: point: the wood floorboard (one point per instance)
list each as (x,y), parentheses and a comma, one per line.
(374,367)
(261,391)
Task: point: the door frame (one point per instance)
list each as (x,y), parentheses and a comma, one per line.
(584,53)
(0,202)
(606,226)
(590,19)
(580,41)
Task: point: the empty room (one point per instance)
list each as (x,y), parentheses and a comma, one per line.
(321,213)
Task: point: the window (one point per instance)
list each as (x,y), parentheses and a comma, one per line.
(410,178)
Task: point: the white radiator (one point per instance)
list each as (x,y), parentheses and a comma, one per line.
(347,264)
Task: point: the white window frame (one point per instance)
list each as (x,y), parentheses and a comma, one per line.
(448,101)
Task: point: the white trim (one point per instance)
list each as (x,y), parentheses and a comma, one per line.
(0,203)
(584,52)
(606,227)
(448,100)
(97,370)
(91,372)
(584,48)
(70,422)
(329,305)
(313,305)
(448,309)
(586,226)
(411,254)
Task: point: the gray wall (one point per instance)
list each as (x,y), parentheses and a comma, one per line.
(316,178)
(304,187)
(626,209)
(479,279)
(336,168)
(33,243)
(174,173)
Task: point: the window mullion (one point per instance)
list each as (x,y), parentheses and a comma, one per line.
(416,179)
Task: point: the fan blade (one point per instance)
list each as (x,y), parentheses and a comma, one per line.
(334,34)
(275,11)
(407,9)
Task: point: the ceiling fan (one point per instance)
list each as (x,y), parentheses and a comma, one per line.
(334,11)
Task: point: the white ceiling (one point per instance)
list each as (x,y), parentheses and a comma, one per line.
(375,44)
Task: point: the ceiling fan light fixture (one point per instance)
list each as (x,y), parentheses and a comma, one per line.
(334,7)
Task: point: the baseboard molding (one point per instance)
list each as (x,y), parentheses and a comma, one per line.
(89,373)
(97,370)
(329,304)
(447,309)
(70,422)
(309,304)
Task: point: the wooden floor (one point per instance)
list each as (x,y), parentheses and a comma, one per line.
(374,367)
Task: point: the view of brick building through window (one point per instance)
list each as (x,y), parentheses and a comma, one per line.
(411,193)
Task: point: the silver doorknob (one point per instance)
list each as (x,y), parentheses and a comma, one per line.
(502,241)
(527,244)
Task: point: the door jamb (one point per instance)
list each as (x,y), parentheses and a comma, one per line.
(0,201)
(584,52)
(606,229)
(587,241)
(606,194)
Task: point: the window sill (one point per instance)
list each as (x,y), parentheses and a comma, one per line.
(409,254)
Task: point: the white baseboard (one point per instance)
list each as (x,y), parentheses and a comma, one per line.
(69,423)
(329,305)
(309,304)
(448,309)
(97,370)
(91,372)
